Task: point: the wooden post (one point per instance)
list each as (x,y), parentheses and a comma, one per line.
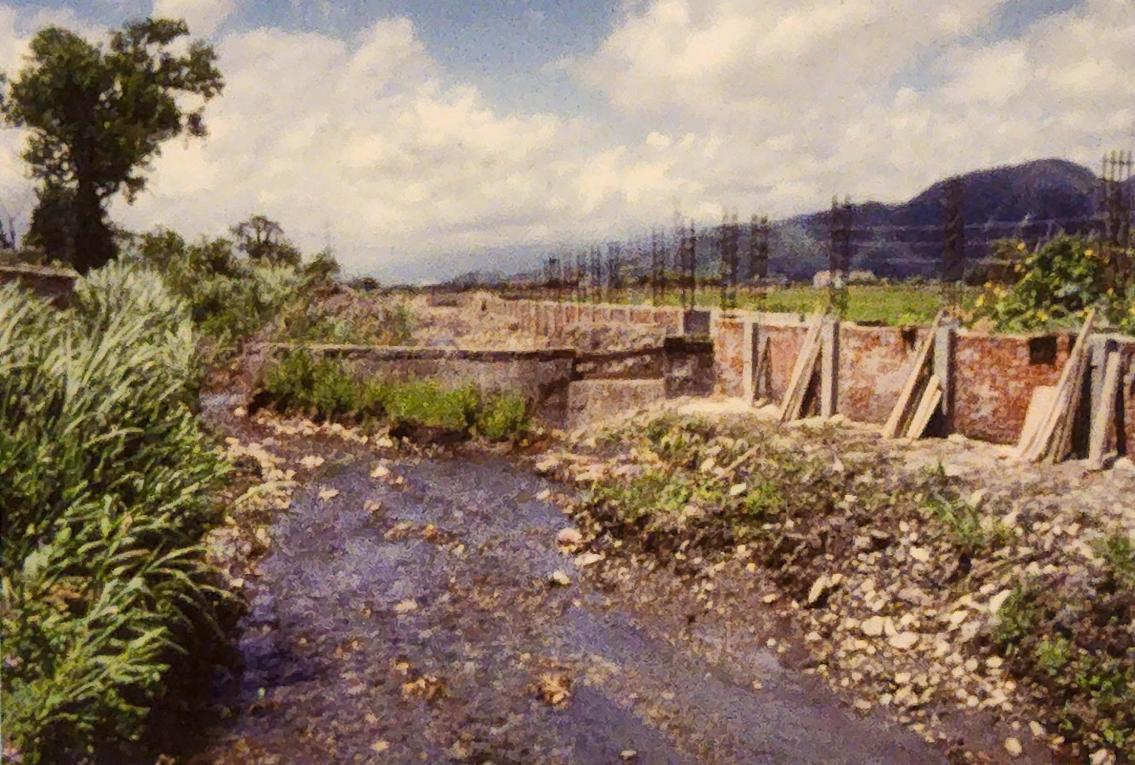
(749,351)
(945,342)
(829,367)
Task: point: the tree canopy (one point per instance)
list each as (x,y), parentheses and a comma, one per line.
(262,239)
(97,117)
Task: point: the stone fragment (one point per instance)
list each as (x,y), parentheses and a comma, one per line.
(568,537)
(904,640)
(873,626)
(1013,747)
(559,578)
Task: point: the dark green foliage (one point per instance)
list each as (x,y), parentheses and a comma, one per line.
(105,482)
(1118,553)
(262,240)
(96,117)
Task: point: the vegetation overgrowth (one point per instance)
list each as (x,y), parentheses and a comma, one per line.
(696,492)
(1054,285)
(105,481)
(324,388)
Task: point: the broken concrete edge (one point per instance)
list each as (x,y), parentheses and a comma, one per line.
(54,284)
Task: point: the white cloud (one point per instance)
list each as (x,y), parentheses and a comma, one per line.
(804,98)
(202,16)
(764,106)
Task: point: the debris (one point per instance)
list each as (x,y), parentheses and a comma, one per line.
(327,493)
(311,461)
(1013,747)
(904,640)
(554,688)
(587,559)
(569,537)
(559,578)
(406,606)
(380,471)
(380,746)
(627,755)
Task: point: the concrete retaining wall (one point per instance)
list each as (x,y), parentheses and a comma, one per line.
(677,367)
(55,284)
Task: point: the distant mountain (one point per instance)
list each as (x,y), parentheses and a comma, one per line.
(1031,200)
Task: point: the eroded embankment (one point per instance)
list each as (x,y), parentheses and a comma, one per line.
(986,606)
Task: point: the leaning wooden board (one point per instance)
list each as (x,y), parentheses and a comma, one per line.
(802,373)
(1103,418)
(1052,437)
(907,400)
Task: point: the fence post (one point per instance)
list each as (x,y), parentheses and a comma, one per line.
(829,367)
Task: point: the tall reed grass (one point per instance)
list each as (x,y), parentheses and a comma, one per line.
(105,484)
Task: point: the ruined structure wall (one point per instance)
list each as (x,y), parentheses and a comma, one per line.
(993,376)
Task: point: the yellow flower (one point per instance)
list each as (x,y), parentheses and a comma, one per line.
(981,302)
(1089,252)
(1020,246)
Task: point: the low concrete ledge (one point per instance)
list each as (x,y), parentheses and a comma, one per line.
(54,284)
(399,352)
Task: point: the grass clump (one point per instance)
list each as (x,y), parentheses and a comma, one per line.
(105,482)
(429,404)
(325,388)
(503,417)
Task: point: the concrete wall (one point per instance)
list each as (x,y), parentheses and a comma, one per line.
(54,284)
(992,376)
(541,376)
(677,367)
(547,317)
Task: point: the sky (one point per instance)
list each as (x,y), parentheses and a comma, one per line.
(421,139)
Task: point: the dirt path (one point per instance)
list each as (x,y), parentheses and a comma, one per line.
(409,618)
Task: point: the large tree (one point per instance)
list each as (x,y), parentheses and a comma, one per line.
(262,239)
(98,115)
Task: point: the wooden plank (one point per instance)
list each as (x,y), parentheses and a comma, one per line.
(761,368)
(931,398)
(1053,435)
(1104,415)
(802,373)
(907,400)
(1043,398)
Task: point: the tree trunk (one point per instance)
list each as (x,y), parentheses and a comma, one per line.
(94,242)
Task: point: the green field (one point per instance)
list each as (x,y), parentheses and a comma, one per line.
(891,304)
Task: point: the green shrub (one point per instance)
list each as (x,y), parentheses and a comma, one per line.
(425,402)
(105,481)
(1056,284)
(503,417)
(1016,619)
